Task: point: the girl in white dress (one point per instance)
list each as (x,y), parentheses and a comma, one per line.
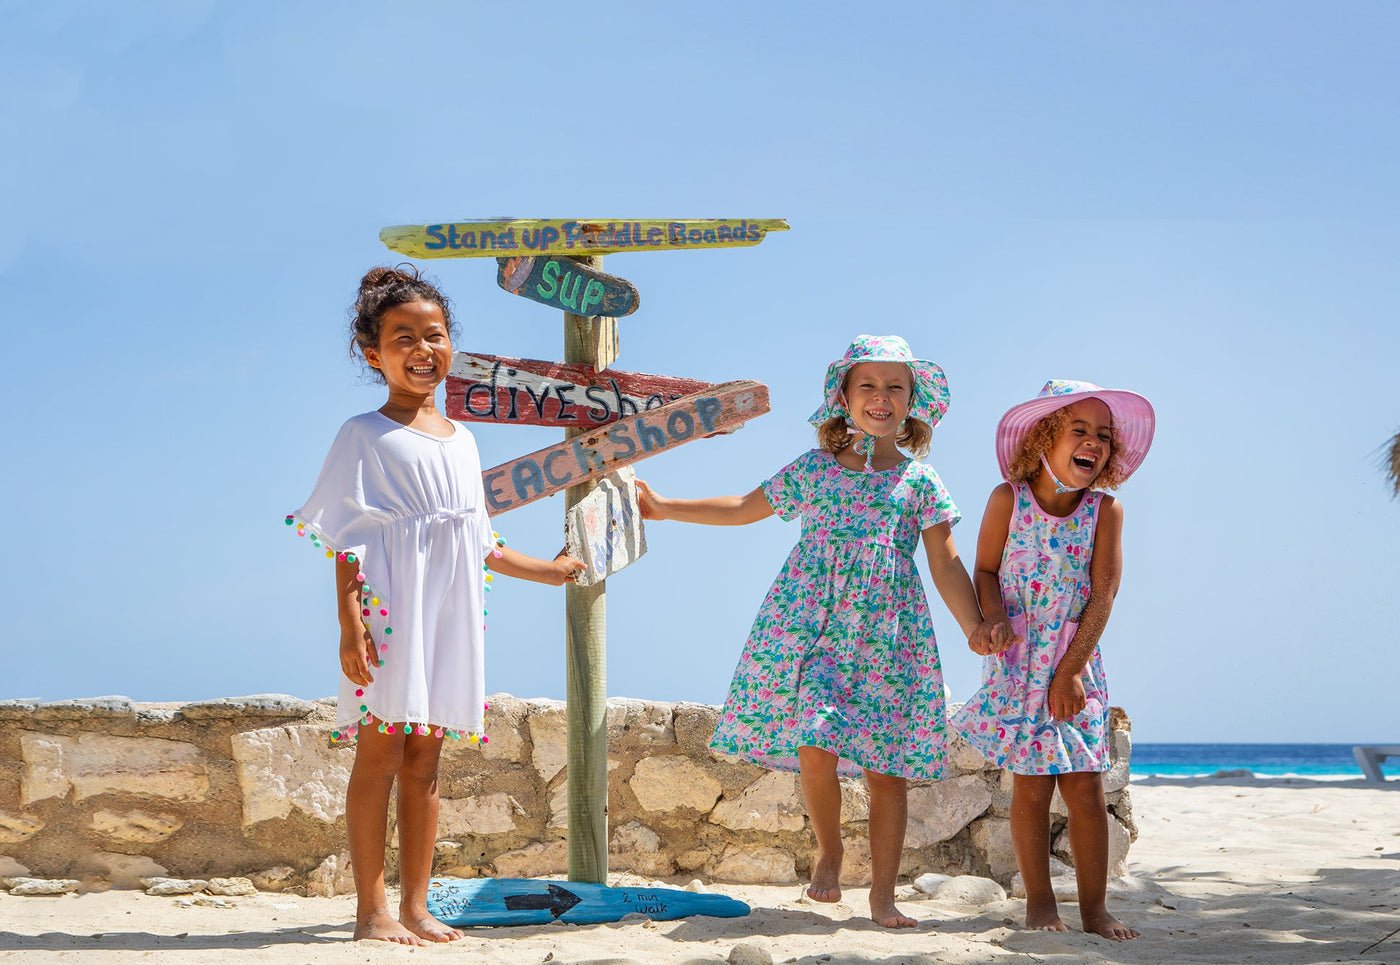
(400,507)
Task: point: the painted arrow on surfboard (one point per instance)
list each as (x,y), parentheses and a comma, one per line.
(532,392)
(566,284)
(596,453)
(495,239)
(466,902)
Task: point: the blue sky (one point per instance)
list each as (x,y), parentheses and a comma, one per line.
(1193,200)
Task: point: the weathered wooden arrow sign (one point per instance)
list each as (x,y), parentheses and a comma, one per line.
(471,902)
(592,454)
(530,392)
(563,283)
(495,239)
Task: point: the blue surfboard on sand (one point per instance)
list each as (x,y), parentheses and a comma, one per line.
(467,902)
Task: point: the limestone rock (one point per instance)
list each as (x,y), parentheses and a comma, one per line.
(755,865)
(559,806)
(642,720)
(274,879)
(258,705)
(928,883)
(10,868)
(84,708)
(749,953)
(1118,841)
(992,837)
(855,801)
(855,868)
(939,811)
(546,721)
(293,766)
(965,758)
(136,827)
(232,887)
(694,725)
(488,814)
(772,803)
(19,709)
(970,890)
(101,764)
(537,860)
(505,718)
(1062,883)
(331,877)
(1120,755)
(15,828)
(175,886)
(124,870)
(668,783)
(208,901)
(637,848)
(38,887)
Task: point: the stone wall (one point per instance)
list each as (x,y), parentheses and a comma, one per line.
(107,790)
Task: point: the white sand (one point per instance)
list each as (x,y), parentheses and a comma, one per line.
(1226,870)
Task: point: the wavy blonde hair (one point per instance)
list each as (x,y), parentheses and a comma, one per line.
(913,436)
(1026,463)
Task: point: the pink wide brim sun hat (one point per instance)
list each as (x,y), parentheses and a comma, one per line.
(1133,420)
(930,397)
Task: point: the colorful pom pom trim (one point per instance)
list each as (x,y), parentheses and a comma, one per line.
(370,601)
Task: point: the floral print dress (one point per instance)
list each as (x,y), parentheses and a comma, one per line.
(1044,585)
(842,655)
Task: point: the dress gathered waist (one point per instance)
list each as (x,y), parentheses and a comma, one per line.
(835,541)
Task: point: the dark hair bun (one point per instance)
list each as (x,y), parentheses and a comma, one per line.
(383,288)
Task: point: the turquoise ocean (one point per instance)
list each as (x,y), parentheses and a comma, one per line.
(1264,760)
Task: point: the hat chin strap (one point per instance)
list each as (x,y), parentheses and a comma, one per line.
(1059,486)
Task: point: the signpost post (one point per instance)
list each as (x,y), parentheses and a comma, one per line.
(557,263)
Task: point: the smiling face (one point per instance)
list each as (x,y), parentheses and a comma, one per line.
(414,350)
(1084,444)
(877,396)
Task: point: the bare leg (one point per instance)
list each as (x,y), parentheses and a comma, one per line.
(889,813)
(1088,838)
(822,793)
(377,760)
(418,821)
(1030,838)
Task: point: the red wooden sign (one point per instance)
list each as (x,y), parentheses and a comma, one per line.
(529,392)
(590,455)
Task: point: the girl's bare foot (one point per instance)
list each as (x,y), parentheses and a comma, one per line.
(427,927)
(381,926)
(885,914)
(826,879)
(1044,917)
(1102,923)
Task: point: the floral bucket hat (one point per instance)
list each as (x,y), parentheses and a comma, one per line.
(1133,420)
(930,397)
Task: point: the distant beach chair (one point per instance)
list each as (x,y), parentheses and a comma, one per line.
(1369,758)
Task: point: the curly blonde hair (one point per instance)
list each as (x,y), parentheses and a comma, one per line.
(1039,440)
(913,436)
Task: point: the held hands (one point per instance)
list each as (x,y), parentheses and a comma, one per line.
(993,636)
(1066,695)
(357,654)
(652,505)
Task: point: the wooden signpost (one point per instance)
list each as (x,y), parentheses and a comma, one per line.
(529,392)
(561,282)
(497,239)
(611,420)
(590,455)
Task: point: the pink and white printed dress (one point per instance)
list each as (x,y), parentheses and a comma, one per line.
(1044,586)
(842,655)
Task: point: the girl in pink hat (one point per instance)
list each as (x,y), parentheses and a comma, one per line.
(840,674)
(1048,561)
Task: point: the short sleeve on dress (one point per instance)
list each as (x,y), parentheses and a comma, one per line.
(935,505)
(783,489)
(336,511)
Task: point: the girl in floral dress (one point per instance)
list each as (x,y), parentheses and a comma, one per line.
(840,674)
(1048,562)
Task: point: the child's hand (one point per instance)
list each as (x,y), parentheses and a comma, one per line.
(357,655)
(1066,695)
(993,636)
(651,505)
(566,567)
